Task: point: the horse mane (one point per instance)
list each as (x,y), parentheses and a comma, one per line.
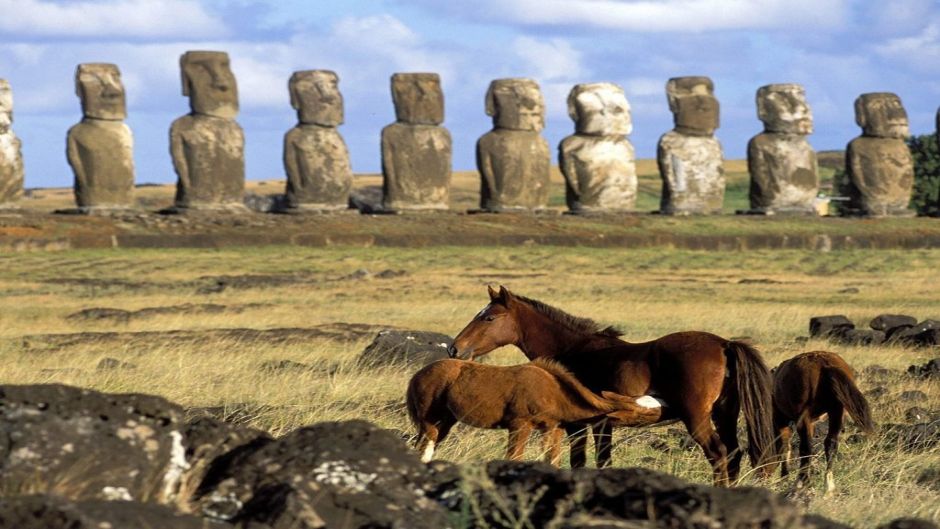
(574,323)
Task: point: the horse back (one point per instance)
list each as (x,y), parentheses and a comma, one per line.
(801,384)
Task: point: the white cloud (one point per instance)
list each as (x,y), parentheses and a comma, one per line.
(136,19)
(549,59)
(920,52)
(650,16)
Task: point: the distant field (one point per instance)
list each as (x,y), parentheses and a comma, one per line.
(765,295)
(465,189)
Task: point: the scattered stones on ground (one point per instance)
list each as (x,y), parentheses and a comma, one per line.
(396,347)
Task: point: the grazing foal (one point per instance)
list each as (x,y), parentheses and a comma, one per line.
(540,395)
(806,387)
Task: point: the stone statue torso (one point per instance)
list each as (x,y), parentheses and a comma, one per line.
(600,172)
(416,162)
(211,153)
(11,168)
(783,171)
(318,170)
(692,172)
(516,169)
(881,171)
(101,153)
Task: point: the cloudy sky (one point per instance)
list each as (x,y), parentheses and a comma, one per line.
(836,48)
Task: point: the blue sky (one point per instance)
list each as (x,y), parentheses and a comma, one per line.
(836,48)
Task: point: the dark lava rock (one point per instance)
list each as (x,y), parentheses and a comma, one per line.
(861,337)
(886,322)
(54,512)
(929,370)
(103,446)
(823,326)
(930,478)
(876,392)
(877,371)
(284,365)
(359,475)
(108,363)
(504,489)
(914,395)
(912,437)
(211,442)
(417,348)
(916,414)
(924,334)
(100,313)
(909,523)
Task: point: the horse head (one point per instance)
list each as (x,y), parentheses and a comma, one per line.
(494,326)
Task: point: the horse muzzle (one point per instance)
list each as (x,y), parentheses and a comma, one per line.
(453,352)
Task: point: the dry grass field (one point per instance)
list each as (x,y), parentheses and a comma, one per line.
(188,356)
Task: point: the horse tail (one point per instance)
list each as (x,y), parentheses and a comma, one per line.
(574,388)
(847,393)
(755,393)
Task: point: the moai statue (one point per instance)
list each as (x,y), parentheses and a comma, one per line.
(782,163)
(514,159)
(11,157)
(689,156)
(207,144)
(878,163)
(319,176)
(100,148)
(597,161)
(416,149)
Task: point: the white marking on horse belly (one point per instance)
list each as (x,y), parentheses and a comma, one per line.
(428,452)
(649,402)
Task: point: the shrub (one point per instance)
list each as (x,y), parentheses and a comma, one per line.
(926,152)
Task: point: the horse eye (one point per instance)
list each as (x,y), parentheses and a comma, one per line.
(489,318)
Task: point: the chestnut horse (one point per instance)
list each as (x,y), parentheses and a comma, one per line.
(806,387)
(697,376)
(540,395)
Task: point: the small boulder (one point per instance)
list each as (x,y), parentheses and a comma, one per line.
(887,322)
(916,414)
(909,523)
(415,348)
(861,337)
(914,395)
(824,326)
(105,446)
(359,474)
(55,512)
(929,370)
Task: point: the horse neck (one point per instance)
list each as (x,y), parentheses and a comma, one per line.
(543,338)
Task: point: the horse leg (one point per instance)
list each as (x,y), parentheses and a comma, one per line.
(603,441)
(432,434)
(518,436)
(805,428)
(551,445)
(784,448)
(577,442)
(831,444)
(725,416)
(702,431)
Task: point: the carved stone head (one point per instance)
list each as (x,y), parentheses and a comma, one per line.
(600,109)
(316,97)
(210,84)
(881,115)
(783,109)
(99,87)
(693,105)
(418,98)
(6,106)
(516,104)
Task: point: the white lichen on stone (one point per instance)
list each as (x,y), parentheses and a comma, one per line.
(176,466)
(116,494)
(340,474)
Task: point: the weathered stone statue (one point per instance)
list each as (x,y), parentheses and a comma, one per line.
(689,156)
(316,159)
(207,144)
(878,163)
(100,148)
(11,157)
(513,159)
(782,163)
(597,161)
(416,150)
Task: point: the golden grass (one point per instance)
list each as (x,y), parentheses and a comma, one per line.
(646,292)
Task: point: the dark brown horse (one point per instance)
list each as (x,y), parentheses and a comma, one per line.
(540,395)
(806,387)
(697,376)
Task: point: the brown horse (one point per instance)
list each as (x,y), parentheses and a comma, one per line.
(540,395)
(806,387)
(699,377)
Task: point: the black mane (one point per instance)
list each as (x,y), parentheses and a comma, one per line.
(575,323)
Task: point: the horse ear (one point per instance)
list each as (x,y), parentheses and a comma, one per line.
(494,295)
(504,293)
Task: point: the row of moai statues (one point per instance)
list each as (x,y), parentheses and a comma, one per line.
(514,161)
